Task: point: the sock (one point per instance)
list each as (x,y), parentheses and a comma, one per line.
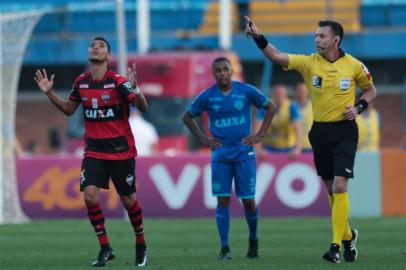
(347,232)
(96,218)
(252,221)
(135,215)
(223,223)
(339,216)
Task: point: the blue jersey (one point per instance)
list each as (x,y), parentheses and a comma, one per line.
(230,118)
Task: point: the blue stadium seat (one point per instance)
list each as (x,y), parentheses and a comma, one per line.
(382,13)
(397,14)
(372,15)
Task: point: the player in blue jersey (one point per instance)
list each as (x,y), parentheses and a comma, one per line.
(229,107)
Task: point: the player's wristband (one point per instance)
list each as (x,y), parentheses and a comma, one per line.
(261,41)
(137,90)
(361,106)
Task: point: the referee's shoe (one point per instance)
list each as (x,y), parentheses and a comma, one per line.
(333,254)
(350,252)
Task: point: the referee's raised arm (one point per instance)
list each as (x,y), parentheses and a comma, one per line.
(269,50)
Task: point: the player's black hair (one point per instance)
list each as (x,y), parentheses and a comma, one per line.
(220,59)
(104,40)
(336,27)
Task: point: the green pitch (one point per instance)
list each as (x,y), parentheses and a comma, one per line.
(291,243)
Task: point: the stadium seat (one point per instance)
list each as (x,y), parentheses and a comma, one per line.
(298,16)
(210,21)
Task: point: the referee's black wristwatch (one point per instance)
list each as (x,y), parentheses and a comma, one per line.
(361,106)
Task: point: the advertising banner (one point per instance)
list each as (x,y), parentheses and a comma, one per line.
(171,187)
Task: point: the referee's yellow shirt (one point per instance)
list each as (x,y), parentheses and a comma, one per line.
(331,85)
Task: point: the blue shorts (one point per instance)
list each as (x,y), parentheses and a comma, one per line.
(244,174)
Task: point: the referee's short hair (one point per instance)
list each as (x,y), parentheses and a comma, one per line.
(336,27)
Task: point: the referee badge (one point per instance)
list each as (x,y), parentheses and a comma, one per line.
(345,83)
(316,81)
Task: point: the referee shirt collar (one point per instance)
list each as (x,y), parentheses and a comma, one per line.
(341,53)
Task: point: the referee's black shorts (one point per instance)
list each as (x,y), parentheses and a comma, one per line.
(334,146)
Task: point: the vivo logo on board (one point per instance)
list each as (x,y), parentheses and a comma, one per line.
(176,192)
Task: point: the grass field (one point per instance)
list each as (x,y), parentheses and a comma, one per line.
(289,243)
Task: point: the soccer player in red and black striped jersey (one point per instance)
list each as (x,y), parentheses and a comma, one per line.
(109,143)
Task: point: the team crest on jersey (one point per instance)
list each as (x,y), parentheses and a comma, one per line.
(129,179)
(84,85)
(239,104)
(110,85)
(105,97)
(316,81)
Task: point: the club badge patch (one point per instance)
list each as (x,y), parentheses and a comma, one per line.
(317,81)
(239,104)
(129,179)
(105,97)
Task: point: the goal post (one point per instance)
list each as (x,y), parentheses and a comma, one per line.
(15,31)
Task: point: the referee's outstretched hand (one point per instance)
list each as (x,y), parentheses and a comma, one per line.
(251,29)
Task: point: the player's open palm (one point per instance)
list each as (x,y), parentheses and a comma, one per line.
(132,75)
(45,84)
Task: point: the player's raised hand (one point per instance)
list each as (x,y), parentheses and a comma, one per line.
(251,29)
(211,142)
(132,75)
(44,84)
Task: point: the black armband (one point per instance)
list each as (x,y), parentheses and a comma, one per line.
(361,106)
(261,41)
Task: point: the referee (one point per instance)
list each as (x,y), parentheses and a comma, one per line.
(331,75)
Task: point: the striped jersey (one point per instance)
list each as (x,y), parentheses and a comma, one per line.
(106,110)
